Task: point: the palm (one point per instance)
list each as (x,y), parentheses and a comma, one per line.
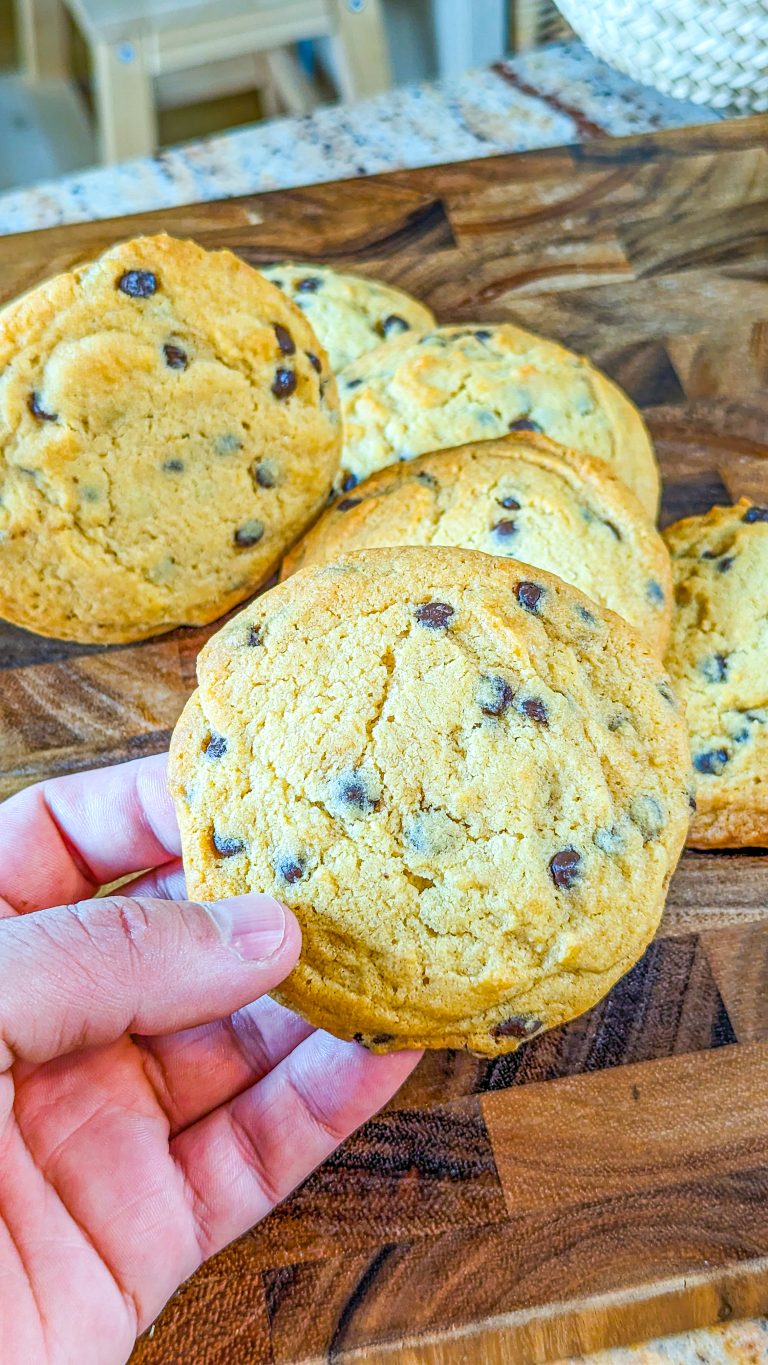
(96,1167)
(105,1247)
(125,1165)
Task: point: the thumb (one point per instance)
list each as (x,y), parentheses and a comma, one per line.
(79,975)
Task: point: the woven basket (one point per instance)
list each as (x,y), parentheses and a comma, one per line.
(712,51)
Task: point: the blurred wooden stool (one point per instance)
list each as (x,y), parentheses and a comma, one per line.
(132,42)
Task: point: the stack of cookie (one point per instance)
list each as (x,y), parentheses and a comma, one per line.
(589,520)
(446,739)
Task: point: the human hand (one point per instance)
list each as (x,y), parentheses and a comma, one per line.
(149,1113)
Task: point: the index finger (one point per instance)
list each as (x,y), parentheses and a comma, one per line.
(62,839)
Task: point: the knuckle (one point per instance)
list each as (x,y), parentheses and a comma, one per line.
(130,918)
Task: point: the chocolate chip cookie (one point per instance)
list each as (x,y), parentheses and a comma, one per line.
(452,385)
(522,496)
(718,659)
(469,782)
(350,313)
(168,426)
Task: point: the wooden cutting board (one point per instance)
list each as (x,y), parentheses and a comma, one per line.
(610,1180)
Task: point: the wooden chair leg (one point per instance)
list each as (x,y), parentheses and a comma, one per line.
(468,33)
(360,49)
(43,39)
(294,89)
(524,24)
(125,101)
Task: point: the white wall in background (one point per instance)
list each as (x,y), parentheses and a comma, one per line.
(411,35)
(429,38)
(469,33)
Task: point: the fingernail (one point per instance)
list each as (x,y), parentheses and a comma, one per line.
(253,926)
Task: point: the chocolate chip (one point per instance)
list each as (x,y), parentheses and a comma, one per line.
(138,284)
(709,554)
(692,801)
(614,530)
(534,708)
(250,533)
(314,361)
(504,529)
(609,840)
(587,616)
(216,747)
(666,692)
(495,695)
(175,357)
(284,339)
(524,424)
(529,595)
(38,411)
(359,1038)
(425,477)
(263,474)
(347,504)
(289,869)
(279,284)
(354,383)
(711,761)
(349,481)
(227,444)
(255,637)
(648,814)
(753,514)
(714,668)
(564,868)
(379,1039)
(354,789)
(309,285)
(654,592)
(725,564)
(483,334)
(434,615)
(173,466)
(510,503)
(284,383)
(227,847)
(517,1026)
(393,323)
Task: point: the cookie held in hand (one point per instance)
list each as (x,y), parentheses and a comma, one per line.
(468,781)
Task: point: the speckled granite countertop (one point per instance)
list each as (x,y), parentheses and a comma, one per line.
(556,95)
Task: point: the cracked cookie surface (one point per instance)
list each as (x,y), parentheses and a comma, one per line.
(165,433)
(718,659)
(349,313)
(468,781)
(523,497)
(458,384)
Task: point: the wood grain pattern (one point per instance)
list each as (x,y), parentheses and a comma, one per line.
(738,958)
(610,1180)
